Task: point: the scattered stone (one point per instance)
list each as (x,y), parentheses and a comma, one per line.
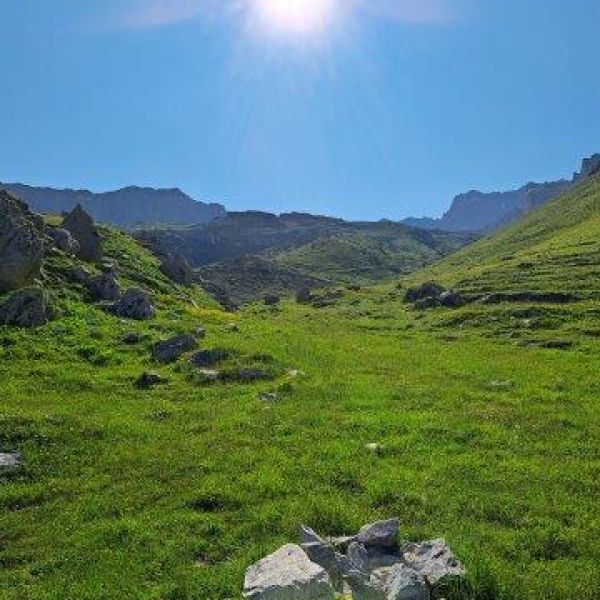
(204,376)
(502,386)
(132,338)
(63,240)
(374,448)
(304,296)
(134,304)
(209,358)
(25,308)
(82,228)
(433,560)
(287,574)
(296,374)
(269,397)
(10,460)
(148,380)
(272,300)
(104,287)
(21,244)
(170,350)
(382,534)
(246,375)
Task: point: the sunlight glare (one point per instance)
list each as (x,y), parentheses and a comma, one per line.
(295,17)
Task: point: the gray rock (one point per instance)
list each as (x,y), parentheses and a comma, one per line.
(21,244)
(434,560)
(170,350)
(78,274)
(341,542)
(287,574)
(104,287)
(148,380)
(451,299)
(358,557)
(9,461)
(81,226)
(429,289)
(427,303)
(324,554)
(134,304)
(25,308)
(383,534)
(131,338)
(400,582)
(204,376)
(63,240)
(209,357)
(269,397)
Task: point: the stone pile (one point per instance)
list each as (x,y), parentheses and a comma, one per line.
(370,565)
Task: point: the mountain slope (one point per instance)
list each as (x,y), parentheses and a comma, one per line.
(126,208)
(555,248)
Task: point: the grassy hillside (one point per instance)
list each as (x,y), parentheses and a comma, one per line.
(555,248)
(170,493)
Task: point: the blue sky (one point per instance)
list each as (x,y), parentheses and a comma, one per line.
(387,109)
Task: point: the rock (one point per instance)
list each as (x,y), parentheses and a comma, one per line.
(304,296)
(232,328)
(400,582)
(324,554)
(430,289)
(104,287)
(177,269)
(81,226)
(209,358)
(341,542)
(25,308)
(63,240)
(148,380)
(21,244)
(287,574)
(363,588)
(10,461)
(170,350)
(269,397)
(451,299)
(272,300)
(131,338)
(134,304)
(433,560)
(358,557)
(200,333)
(246,375)
(79,275)
(426,303)
(589,167)
(204,376)
(382,534)
(375,448)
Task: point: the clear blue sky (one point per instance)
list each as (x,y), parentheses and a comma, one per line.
(387,108)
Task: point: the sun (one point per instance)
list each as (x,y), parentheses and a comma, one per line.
(294,17)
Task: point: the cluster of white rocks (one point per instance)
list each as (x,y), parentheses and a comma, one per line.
(368,566)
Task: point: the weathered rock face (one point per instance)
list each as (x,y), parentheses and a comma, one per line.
(63,240)
(81,226)
(288,574)
(177,269)
(134,304)
(104,287)
(170,350)
(21,244)
(25,308)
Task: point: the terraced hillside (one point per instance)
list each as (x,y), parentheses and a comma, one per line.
(553,249)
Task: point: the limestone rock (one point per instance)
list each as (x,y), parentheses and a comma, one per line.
(21,244)
(381,534)
(134,304)
(434,560)
(25,308)
(170,350)
(81,226)
(400,582)
(287,574)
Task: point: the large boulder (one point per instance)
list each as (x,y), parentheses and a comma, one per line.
(170,350)
(21,244)
(134,304)
(104,287)
(81,226)
(27,307)
(287,574)
(63,240)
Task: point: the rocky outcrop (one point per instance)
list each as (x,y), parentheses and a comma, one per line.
(63,240)
(287,574)
(81,226)
(589,167)
(27,307)
(134,304)
(170,350)
(21,244)
(431,295)
(374,567)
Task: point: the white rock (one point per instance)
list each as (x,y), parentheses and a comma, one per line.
(287,574)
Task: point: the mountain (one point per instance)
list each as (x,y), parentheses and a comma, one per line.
(554,249)
(485,212)
(127,208)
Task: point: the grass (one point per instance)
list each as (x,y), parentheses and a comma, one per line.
(489,440)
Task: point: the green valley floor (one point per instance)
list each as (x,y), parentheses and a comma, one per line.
(489,438)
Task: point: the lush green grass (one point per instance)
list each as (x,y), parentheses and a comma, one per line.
(172,493)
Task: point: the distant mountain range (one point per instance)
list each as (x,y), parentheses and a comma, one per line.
(127,208)
(484,212)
